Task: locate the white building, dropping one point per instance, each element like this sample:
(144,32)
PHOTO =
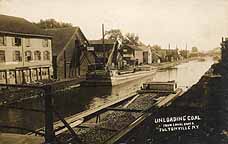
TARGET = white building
(25,51)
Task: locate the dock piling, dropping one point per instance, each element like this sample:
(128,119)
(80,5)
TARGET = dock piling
(49,129)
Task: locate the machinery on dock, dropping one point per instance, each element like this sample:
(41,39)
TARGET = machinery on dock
(109,73)
(103,71)
(97,71)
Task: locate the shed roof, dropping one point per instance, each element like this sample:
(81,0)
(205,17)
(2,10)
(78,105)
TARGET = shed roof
(63,36)
(134,47)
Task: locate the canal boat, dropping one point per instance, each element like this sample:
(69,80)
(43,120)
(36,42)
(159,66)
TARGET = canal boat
(120,79)
(159,87)
(97,75)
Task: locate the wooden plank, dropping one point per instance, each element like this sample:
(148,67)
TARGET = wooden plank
(74,124)
(92,125)
(131,101)
(69,127)
(123,110)
(168,99)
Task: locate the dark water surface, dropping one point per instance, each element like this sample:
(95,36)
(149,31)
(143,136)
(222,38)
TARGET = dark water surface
(75,100)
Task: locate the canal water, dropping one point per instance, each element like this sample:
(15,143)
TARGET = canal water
(75,100)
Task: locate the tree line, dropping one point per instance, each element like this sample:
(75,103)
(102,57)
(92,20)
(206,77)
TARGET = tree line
(52,23)
(113,34)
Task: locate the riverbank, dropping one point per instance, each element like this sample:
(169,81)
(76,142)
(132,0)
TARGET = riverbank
(165,65)
(208,100)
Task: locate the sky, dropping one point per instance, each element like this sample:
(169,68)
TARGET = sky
(200,23)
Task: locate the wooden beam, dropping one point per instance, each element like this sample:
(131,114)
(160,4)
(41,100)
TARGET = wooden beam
(30,75)
(6,80)
(15,76)
(55,67)
(92,125)
(131,101)
(49,76)
(124,110)
(40,73)
(49,129)
(37,74)
(65,65)
(23,77)
(64,128)
(75,136)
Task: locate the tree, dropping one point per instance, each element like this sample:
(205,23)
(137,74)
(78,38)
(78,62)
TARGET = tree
(194,49)
(52,23)
(113,34)
(132,38)
(156,47)
(129,38)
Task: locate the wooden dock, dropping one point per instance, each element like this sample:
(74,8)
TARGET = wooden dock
(78,118)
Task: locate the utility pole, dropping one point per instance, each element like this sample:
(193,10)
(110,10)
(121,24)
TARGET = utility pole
(103,43)
(169,54)
(65,64)
(186,49)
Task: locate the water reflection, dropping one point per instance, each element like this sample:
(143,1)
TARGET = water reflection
(75,100)
(186,74)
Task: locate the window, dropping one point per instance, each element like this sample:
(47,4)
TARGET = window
(46,55)
(27,42)
(37,55)
(2,56)
(28,56)
(45,42)
(17,56)
(2,40)
(17,41)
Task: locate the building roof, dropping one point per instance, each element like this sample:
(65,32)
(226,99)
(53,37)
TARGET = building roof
(20,26)
(99,42)
(134,47)
(63,37)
